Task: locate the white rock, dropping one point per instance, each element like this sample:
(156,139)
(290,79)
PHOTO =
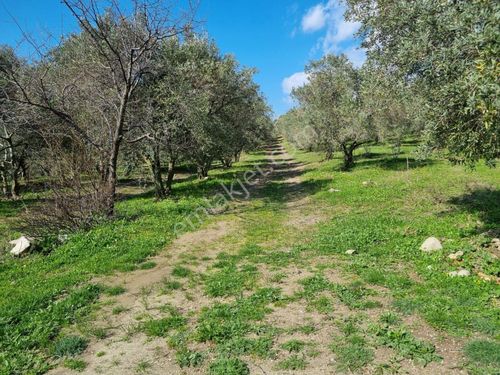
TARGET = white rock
(431,244)
(459,273)
(350,251)
(332,190)
(456,256)
(20,245)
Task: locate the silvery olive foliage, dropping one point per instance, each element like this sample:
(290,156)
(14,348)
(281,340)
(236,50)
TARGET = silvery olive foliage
(449,51)
(333,105)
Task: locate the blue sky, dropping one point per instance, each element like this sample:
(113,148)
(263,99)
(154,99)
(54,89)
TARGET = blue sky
(278,37)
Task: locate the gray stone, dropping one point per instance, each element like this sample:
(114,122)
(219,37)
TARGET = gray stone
(21,245)
(459,273)
(431,244)
(350,252)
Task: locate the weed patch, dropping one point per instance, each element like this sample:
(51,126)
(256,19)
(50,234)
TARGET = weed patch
(405,344)
(161,327)
(75,364)
(294,362)
(230,281)
(228,366)
(293,346)
(70,346)
(188,358)
(483,352)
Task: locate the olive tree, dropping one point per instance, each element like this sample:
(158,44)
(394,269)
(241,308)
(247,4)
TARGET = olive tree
(450,50)
(333,103)
(393,105)
(200,107)
(91,80)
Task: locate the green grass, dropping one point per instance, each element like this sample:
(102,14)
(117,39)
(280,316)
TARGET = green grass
(114,290)
(352,355)
(161,327)
(188,358)
(294,362)
(405,344)
(260,347)
(293,346)
(143,367)
(180,271)
(388,220)
(147,265)
(75,364)
(42,293)
(226,321)
(354,296)
(483,352)
(118,310)
(228,366)
(170,285)
(230,281)
(385,221)
(352,352)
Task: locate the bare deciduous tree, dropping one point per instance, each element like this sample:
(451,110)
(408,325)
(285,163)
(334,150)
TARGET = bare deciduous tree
(89,81)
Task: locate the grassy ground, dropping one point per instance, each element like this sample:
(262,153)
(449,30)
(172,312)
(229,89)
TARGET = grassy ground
(271,289)
(39,294)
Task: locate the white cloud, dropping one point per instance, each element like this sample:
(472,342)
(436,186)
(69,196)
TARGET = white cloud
(339,36)
(294,81)
(314,19)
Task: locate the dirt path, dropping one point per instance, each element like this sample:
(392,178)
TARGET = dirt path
(124,348)
(278,214)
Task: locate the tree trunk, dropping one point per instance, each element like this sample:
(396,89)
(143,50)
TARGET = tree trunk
(329,154)
(237,156)
(348,155)
(111,174)
(203,166)
(170,175)
(157,175)
(227,162)
(25,173)
(14,190)
(5,184)
(203,170)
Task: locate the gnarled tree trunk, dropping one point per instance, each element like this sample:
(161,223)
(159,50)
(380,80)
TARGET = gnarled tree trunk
(170,176)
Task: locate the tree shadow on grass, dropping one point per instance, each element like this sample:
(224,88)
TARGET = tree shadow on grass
(13,207)
(392,163)
(484,202)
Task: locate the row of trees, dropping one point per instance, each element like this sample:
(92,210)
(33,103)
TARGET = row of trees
(343,108)
(432,69)
(129,87)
